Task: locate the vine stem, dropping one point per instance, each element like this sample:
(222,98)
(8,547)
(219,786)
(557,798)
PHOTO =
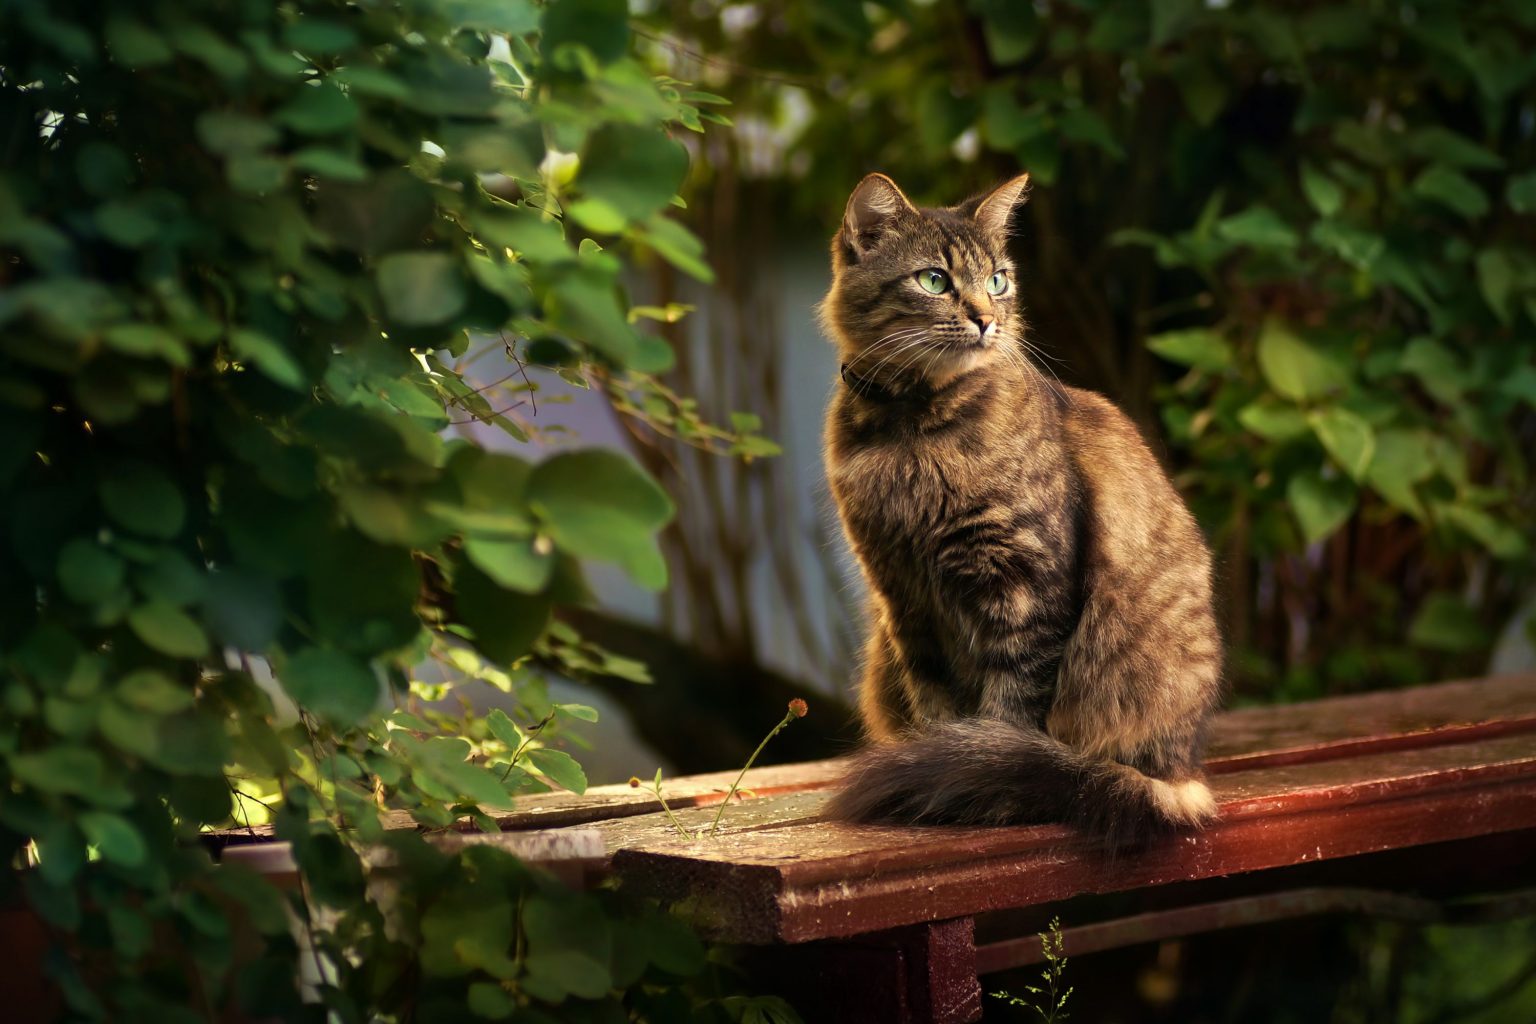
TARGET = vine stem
(524,745)
(790,716)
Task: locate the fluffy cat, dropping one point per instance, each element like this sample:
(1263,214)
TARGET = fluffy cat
(1042,644)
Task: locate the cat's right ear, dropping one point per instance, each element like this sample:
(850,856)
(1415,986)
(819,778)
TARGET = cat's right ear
(871,209)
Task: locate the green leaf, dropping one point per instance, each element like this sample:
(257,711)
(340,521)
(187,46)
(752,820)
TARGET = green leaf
(631,169)
(1260,227)
(514,17)
(521,564)
(1347,437)
(171,576)
(1445,622)
(268,356)
(566,971)
(1325,194)
(1501,539)
(585,305)
(1440,144)
(1294,368)
(331,683)
(320,36)
(677,245)
(1321,505)
(490,1002)
(1402,460)
(60,769)
(391,516)
(1083,124)
(1521,385)
(147,341)
(149,690)
(103,169)
(1452,189)
(503,728)
(1437,368)
(570,942)
(320,109)
(1359,248)
(524,230)
(1274,421)
(115,836)
(421,289)
(88,573)
(505,623)
(141,498)
(1496,279)
(168,629)
(243,608)
(599,504)
(578,711)
(560,768)
(1521,193)
(1200,347)
(601,26)
(256,174)
(135,45)
(329,164)
(228,133)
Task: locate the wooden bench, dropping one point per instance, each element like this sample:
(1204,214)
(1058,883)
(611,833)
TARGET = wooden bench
(1382,804)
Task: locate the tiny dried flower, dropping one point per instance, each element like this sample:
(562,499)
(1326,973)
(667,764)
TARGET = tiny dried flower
(799,707)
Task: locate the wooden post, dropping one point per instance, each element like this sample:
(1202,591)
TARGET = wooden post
(921,974)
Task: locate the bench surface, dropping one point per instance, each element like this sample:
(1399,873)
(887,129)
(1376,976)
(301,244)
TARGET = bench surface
(1296,784)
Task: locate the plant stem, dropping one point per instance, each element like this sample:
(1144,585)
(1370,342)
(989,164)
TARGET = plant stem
(524,745)
(714,825)
(681,828)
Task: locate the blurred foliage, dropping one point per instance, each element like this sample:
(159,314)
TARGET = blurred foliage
(244,248)
(1443,974)
(1297,239)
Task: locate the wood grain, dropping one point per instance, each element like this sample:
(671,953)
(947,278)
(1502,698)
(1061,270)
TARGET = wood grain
(783,875)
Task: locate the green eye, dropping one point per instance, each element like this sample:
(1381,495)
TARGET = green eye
(997,283)
(935,282)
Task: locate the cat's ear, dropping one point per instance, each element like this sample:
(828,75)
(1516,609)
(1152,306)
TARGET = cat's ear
(874,204)
(993,211)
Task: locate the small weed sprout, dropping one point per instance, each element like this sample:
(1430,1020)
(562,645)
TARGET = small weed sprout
(681,829)
(797,709)
(1050,1001)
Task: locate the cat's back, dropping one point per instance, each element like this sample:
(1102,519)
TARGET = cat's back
(1134,506)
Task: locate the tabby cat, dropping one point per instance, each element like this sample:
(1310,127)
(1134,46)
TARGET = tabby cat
(1042,644)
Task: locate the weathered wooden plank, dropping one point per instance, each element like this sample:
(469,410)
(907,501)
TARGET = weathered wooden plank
(806,878)
(1454,712)
(1242,739)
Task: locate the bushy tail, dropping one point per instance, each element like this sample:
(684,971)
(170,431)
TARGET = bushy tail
(990,772)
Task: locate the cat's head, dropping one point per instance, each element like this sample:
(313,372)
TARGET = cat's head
(924,293)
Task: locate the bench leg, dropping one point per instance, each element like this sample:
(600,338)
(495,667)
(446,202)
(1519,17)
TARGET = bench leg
(923,974)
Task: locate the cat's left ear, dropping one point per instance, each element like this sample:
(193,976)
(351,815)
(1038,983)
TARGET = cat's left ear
(993,212)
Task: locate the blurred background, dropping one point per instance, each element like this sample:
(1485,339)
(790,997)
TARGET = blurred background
(1296,241)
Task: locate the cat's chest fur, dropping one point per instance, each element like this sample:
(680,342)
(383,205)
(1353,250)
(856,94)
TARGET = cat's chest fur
(936,501)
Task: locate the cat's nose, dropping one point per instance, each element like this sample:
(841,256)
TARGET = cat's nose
(983,322)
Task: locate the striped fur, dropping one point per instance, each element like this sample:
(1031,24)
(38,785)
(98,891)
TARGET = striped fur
(1042,643)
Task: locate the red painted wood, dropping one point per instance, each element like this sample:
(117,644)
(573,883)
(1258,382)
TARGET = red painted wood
(1455,712)
(920,974)
(808,879)
(1246,738)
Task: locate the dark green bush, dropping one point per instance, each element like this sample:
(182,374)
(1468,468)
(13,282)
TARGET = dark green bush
(247,251)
